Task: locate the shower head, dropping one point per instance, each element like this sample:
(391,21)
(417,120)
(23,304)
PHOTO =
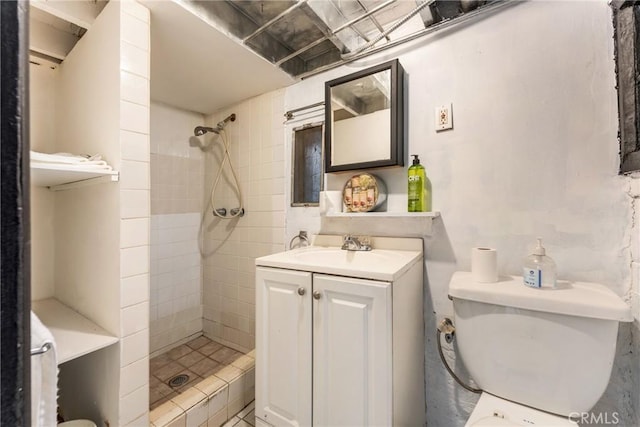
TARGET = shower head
(201,130)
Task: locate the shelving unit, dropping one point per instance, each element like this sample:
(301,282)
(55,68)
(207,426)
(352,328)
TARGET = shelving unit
(383,214)
(415,224)
(59,177)
(74,334)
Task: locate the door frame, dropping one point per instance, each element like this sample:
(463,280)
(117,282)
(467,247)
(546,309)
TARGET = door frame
(15,261)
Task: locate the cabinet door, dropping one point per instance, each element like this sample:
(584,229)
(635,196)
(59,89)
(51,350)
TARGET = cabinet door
(352,383)
(283,347)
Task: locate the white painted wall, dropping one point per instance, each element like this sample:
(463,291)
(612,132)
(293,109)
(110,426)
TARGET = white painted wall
(88,262)
(41,128)
(533,152)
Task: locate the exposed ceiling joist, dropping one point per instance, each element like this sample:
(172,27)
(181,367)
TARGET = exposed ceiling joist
(304,37)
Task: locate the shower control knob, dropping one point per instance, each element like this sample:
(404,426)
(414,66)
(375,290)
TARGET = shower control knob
(302,291)
(317,294)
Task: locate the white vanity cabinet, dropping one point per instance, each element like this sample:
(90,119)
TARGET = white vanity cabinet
(283,335)
(334,350)
(352,349)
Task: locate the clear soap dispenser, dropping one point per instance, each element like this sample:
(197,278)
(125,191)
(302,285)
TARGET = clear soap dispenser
(539,270)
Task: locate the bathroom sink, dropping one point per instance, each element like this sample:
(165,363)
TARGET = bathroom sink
(338,256)
(387,261)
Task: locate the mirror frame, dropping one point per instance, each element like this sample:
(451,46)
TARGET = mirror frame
(396,138)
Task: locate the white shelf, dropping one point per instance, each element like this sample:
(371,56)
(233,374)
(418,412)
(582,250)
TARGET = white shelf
(406,224)
(383,214)
(75,335)
(62,177)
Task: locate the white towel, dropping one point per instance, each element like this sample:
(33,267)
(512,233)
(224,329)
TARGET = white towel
(72,160)
(44,377)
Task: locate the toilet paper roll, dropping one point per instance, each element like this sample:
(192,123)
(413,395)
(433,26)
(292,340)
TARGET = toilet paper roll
(484,265)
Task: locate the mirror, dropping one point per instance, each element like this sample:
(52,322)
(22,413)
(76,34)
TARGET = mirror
(364,119)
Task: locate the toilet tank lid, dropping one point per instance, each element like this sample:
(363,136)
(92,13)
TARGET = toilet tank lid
(569,298)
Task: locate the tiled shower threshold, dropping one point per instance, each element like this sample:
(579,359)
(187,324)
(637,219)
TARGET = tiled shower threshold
(220,387)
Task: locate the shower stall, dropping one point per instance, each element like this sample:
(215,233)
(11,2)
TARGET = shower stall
(217,203)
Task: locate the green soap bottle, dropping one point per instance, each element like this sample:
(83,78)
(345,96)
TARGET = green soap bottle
(419,188)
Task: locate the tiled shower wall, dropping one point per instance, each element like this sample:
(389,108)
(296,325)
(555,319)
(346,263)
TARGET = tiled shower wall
(256,142)
(177,174)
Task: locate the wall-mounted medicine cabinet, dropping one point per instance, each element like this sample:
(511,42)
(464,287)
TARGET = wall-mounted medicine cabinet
(364,119)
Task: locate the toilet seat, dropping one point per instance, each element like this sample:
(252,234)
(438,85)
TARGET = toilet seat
(492,411)
(77,423)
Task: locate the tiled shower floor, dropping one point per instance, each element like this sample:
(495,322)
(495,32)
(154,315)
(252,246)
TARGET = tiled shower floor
(219,385)
(199,359)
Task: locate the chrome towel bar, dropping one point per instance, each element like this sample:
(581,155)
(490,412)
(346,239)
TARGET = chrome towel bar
(45,347)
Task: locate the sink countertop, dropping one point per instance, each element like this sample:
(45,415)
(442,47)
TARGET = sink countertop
(390,258)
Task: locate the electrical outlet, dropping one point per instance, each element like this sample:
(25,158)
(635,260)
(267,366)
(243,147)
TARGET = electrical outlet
(444,117)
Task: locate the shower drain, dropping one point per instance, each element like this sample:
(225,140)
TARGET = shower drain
(178,380)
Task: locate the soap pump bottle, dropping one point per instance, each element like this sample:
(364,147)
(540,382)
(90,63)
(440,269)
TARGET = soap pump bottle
(539,270)
(419,193)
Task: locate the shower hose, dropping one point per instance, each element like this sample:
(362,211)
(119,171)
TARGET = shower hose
(237,212)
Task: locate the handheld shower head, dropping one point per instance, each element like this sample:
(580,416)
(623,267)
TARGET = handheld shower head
(201,130)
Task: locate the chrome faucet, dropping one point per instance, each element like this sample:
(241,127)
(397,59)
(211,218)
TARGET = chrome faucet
(355,243)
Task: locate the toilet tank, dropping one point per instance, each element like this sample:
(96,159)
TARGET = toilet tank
(551,349)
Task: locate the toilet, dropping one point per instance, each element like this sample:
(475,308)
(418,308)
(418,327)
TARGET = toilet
(78,423)
(525,348)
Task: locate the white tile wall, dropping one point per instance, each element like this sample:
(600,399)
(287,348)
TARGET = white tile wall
(134,261)
(134,318)
(134,232)
(134,376)
(134,203)
(176,200)
(176,284)
(171,130)
(134,146)
(256,141)
(134,212)
(134,88)
(134,60)
(134,175)
(134,8)
(134,117)
(134,405)
(135,31)
(134,290)
(134,347)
